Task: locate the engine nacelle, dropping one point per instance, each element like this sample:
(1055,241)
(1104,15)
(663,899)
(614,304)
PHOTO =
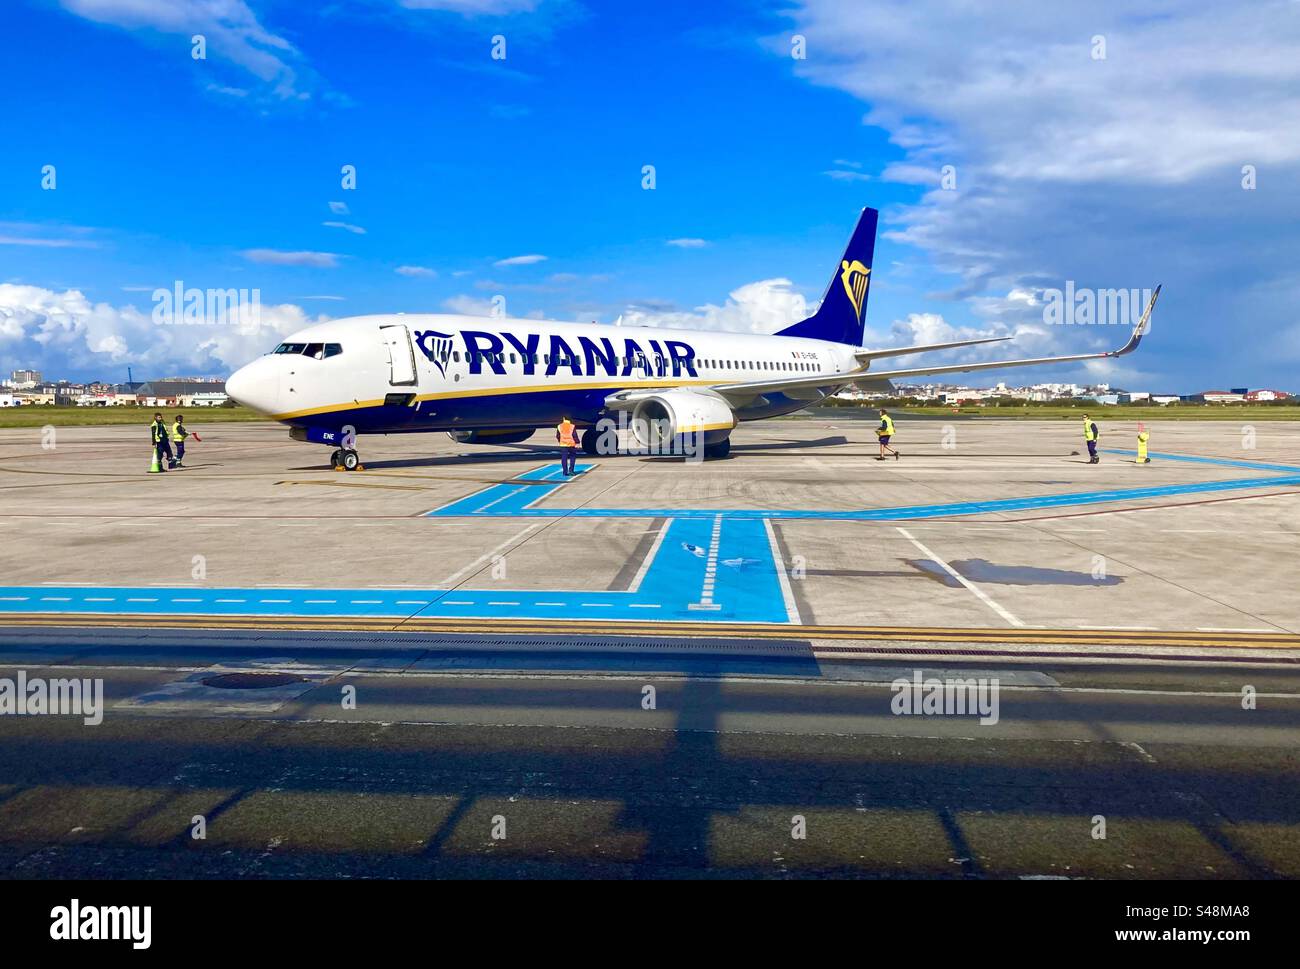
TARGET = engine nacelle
(509,435)
(674,418)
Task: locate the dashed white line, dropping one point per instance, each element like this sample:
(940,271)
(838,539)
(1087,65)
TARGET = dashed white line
(142,600)
(55,599)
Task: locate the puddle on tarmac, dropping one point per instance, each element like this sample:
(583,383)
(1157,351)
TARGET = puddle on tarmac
(982,570)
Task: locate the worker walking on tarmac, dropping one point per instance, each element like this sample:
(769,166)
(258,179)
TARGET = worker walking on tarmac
(883,433)
(1143,437)
(567,434)
(161,446)
(179,434)
(1090,434)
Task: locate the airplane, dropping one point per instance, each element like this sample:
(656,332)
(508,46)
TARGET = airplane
(497,380)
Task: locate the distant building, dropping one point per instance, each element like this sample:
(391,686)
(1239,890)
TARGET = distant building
(181,393)
(24,379)
(1255,396)
(1219,397)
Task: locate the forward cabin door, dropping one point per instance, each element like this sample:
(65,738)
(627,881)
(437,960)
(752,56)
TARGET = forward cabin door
(401,354)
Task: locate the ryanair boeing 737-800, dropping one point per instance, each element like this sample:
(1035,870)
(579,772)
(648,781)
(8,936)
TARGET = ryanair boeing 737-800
(496,381)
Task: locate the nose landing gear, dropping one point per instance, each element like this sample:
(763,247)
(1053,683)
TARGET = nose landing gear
(346,459)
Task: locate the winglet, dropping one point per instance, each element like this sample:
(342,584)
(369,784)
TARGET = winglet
(1140,330)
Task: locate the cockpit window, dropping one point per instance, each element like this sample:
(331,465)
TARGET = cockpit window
(290,348)
(332,350)
(315,350)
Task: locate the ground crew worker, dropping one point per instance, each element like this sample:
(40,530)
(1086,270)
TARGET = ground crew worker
(161,446)
(883,433)
(1090,434)
(1143,437)
(179,434)
(567,434)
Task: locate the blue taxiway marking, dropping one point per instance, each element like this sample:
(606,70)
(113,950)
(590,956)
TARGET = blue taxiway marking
(745,587)
(711,565)
(520,501)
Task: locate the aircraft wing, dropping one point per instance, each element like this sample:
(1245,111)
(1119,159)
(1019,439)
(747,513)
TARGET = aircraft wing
(820,385)
(865,355)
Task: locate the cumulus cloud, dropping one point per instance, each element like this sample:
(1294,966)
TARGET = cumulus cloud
(67,334)
(424,271)
(759,307)
(1114,172)
(468,305)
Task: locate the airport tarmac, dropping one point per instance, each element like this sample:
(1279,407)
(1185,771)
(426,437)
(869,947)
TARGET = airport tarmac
(497,629)
(981,525)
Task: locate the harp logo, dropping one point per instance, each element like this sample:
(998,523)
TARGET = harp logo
(854,277)
(436,346)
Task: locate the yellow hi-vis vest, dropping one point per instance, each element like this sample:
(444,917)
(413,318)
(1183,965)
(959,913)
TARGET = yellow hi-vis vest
(566,435)
(1088,434)
(178,431)
(888,429)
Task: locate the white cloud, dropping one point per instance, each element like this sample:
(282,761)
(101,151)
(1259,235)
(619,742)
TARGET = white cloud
(760,307)
(65,334)
(520,260)
(468,305)
(687,243)
(471,8)
(339,208)
(416,271)
(277,257)
(840,175)
(910,174)
(355,229)
(230,27)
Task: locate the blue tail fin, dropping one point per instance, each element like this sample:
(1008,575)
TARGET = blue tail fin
(843,312)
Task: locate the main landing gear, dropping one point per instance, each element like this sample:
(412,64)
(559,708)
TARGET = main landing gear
(345,459)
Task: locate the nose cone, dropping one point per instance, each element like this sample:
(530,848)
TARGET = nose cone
(256,385)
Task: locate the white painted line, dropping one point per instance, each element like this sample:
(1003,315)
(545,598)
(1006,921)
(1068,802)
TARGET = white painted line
(366,602)
(503,603)
(179,600)
(787,592)
(458,602)
(411,602)
(142,600)
(232,600)
(650,557)
(979,593)
(56,599)
(598,605)
(13,598)
(280,602)
(474,566)
(643,605)
(320,602)
(94,599)
(548,603)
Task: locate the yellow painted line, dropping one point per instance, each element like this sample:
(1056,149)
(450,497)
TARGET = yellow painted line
(930,634)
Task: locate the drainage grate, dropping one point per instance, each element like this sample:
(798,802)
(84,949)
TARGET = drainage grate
(251,681)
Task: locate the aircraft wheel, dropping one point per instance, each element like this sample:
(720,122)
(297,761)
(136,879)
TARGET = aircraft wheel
(350,460)
(336,457)
(590,441)
(713,452)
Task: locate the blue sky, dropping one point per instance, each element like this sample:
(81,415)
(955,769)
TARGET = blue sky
(1115,172)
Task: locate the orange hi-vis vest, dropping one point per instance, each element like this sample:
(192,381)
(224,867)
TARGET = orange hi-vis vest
(567,438)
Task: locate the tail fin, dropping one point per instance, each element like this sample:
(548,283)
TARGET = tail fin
(843,311)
